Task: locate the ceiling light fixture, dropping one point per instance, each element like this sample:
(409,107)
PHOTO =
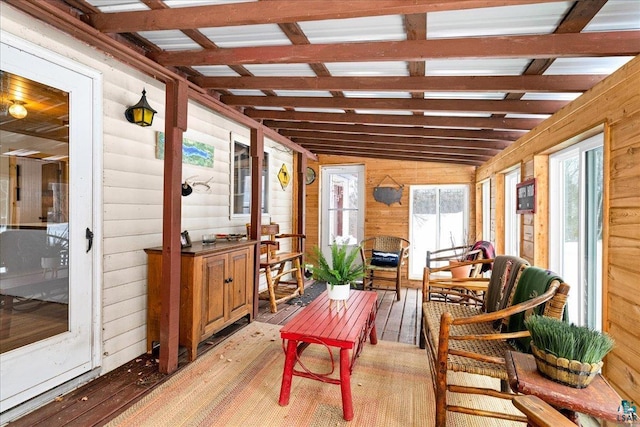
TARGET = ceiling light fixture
(18,110)
(141,113)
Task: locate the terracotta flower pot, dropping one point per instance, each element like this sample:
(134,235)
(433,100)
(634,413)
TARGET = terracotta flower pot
(460,272)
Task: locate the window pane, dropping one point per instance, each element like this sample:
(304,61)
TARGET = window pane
(343,208)
(242,180)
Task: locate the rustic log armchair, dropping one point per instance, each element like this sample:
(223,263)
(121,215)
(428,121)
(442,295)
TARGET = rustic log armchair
(383,258)
(282,268)
(472,339)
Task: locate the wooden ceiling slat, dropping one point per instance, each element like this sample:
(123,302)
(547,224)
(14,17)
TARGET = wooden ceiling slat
(462,105)
(475,146)
(537,83)
(485,134)
(398,120)
(274,12)
(614,43)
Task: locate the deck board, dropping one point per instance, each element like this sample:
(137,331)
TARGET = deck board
(102,399)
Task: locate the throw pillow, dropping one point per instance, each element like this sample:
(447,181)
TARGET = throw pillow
(385,259)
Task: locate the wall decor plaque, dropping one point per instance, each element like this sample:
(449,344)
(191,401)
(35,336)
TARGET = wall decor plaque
(388,194)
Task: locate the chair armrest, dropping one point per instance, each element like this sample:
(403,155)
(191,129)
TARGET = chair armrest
(290,235)
(539,413)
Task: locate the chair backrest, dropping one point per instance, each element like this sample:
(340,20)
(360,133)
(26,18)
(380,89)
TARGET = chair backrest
(505,273)
(268,233)
(385,245)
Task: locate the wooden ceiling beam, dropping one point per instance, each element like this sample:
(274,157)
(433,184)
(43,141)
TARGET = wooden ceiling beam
(398,120)
(274,12)
(462,105)
(534,83)
(391,155)
(438,145)
(488,135)
(613,43)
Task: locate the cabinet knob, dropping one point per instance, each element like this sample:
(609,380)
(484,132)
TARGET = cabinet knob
(229,280)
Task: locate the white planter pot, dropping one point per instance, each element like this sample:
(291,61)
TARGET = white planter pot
(339,292)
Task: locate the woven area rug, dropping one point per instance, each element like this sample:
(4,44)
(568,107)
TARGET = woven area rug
(238,384)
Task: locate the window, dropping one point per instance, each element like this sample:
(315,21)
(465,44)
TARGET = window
(241,191)
(575,243)
(438,214)
(511,218)
(486,210)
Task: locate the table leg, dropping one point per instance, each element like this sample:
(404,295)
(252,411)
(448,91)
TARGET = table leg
(287,374)
(345,384)
(373,335)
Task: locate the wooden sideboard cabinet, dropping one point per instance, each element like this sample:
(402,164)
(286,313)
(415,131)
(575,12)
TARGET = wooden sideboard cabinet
(216,289)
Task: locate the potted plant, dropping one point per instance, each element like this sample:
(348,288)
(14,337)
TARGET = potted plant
(461,254)
(566,353)
(340,273)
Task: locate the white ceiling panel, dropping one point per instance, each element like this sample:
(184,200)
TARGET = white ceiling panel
(387,68)
(549,96)
(394,112)
(604,65)
(266,70)
(476,67)
(368,94)
(465,95)
(455,114)
(316,93)
(319,110)
(247,35)
(247,92)
(215,71)
(527,116)
(170,40)
(377,28)
(540,18)
(616,15)
(108,6)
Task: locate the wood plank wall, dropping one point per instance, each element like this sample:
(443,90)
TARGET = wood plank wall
(613,106)
(381,219)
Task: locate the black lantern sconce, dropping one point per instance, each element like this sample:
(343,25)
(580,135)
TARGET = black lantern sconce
(141,113)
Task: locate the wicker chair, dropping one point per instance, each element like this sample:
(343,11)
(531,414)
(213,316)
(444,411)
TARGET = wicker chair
(282,269)
(383,258)
(465,338)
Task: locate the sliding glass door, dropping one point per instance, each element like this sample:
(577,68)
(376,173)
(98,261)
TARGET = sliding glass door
(576,181)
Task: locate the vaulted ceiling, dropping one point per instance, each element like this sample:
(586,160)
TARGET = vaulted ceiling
(425,80)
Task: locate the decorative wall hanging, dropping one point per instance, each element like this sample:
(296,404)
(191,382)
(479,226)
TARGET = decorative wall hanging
(388,194)
(284,177)
(193,152)
(311,176)
(526,197)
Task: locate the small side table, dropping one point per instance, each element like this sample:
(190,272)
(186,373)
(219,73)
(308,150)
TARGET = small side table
(599,399)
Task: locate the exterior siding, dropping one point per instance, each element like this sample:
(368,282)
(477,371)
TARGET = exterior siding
(132,186)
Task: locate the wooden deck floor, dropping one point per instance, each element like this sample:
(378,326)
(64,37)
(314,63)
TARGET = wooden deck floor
(104,398)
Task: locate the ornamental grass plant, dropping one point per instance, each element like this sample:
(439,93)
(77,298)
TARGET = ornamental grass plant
(568,341)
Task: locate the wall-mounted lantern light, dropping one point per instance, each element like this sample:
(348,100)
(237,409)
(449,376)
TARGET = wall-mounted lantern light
(141,113)
(18,110)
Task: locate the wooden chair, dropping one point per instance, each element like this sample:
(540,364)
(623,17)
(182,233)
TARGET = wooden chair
(282,269)
(466,338)
(539,413)
(383,258)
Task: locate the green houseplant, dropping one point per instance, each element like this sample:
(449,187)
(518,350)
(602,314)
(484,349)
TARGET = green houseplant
(340,273)
(566,353)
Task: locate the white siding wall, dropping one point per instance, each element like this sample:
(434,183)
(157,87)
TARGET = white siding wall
(132,185)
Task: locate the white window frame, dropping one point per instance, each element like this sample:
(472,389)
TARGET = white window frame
(266,199)
(556,234)
(417,258)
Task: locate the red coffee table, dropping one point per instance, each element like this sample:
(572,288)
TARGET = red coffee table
(346,329)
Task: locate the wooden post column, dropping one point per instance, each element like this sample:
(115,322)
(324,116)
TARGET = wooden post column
(175,125)
(257,159)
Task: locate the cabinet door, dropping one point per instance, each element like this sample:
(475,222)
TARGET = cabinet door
(214,273)
(240,293)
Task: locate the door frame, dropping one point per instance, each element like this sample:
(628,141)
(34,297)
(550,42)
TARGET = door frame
(325,172)
(95,223)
